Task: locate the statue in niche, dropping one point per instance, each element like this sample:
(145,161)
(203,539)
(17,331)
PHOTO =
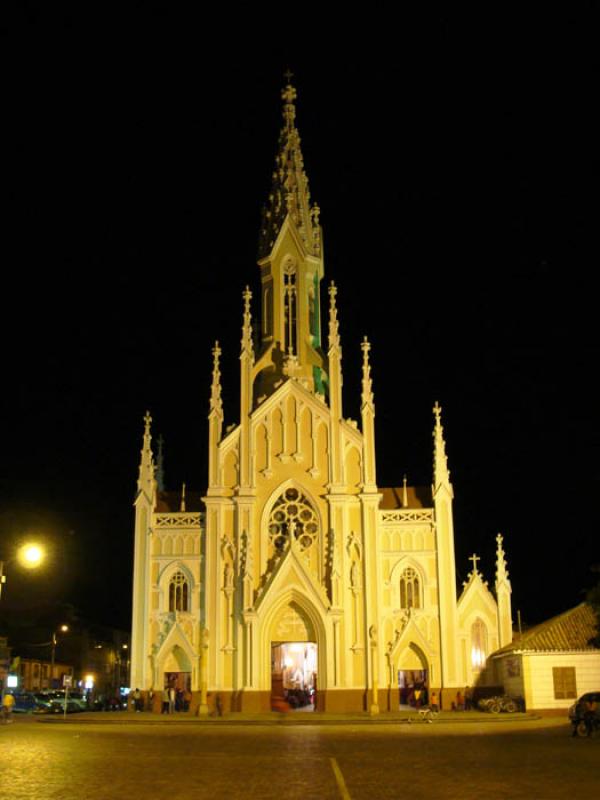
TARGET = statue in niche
(228,577)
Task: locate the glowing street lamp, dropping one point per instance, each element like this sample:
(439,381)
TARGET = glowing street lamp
(30,556)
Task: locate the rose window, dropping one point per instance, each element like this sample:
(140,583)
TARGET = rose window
(292,514)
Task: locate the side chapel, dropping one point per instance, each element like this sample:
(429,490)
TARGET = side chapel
(296,575)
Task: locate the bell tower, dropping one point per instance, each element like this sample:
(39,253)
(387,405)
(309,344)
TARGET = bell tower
(291,267)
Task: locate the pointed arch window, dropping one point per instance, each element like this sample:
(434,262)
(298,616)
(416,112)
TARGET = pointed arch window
(410,589)
(179,593)
(293,514)
(479,645)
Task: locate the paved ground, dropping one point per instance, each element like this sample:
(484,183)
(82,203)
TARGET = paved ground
(523,759)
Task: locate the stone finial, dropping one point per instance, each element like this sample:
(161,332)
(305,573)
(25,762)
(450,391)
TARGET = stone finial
(404,493)
(182,501)
(441,473)
(367,382)
(146,471)
(334,326)
(216,403)
(247,346)
(501,571)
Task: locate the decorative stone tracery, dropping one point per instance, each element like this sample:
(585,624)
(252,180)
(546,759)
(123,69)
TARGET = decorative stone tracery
(293,515)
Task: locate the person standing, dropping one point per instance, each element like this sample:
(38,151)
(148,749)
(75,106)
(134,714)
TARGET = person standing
(165,701)
(172,697)
(433,704)
(589,715)
(8,703)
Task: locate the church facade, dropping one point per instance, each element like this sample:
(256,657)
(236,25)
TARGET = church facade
(296,575)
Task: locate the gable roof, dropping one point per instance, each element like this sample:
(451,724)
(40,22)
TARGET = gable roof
(571,630)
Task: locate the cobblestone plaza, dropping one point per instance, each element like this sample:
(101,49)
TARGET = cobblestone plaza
(153,759)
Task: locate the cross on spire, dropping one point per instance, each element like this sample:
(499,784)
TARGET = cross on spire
(474,558)
(288,75)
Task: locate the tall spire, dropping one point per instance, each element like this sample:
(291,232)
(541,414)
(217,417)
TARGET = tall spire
(441,473)
(289,191)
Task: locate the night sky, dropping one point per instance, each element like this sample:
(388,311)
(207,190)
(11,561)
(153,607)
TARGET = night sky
(455,161)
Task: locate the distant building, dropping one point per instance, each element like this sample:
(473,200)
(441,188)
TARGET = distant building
(552,664)
(295,571)
(36,675)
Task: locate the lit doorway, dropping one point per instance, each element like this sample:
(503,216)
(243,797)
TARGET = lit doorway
(412,687)
(293,676)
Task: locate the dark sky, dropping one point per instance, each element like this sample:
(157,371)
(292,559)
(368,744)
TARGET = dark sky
(455,161)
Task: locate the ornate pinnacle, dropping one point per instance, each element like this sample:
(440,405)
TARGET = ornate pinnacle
(216,404)
(182,502)
(367,383)
(441,474)
(247,347)
(146,473)
(334,325)
(501,571)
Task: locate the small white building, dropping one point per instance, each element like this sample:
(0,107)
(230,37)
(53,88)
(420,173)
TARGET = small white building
(551,664)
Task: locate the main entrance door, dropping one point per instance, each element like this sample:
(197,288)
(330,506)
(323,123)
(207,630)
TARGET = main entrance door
(293,675)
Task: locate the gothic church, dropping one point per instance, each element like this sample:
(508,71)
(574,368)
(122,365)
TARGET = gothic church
(296,576)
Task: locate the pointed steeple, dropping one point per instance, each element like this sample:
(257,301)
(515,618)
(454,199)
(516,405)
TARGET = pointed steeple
(289,191)
(146,473)
(441,473)
(182,501)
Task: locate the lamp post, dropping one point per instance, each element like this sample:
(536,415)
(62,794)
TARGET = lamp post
(62,629)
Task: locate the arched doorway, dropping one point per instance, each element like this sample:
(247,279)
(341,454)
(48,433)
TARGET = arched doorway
(412,675)
(177,674)
(294,660)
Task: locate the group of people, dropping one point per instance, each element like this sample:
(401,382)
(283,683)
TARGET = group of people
(173,700)
(463,702)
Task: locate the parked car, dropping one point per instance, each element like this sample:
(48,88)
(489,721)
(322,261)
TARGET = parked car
(25,703)
(494,705)
(577,710)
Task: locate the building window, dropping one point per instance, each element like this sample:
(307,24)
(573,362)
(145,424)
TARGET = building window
(178,593)
(479,645)
(410,589)
(565,687)
(292,513)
